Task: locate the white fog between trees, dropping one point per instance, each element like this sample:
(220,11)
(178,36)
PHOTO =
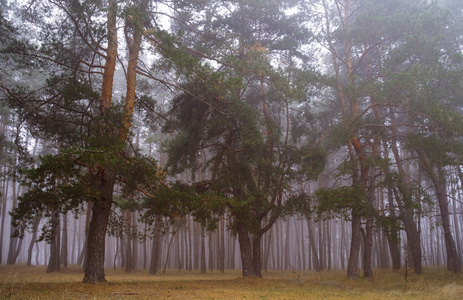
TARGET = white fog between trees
(214,135)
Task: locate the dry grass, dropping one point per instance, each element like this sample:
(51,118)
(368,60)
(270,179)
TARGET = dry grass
(21,282)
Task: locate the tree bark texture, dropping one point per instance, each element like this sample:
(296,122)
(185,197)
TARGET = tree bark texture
(244,240)
(94,269)
(353,264)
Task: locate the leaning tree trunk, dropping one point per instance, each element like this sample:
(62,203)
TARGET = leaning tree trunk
(405,202)
(413,235)
(391,231)
(35,227)
(440,186)
(313,246)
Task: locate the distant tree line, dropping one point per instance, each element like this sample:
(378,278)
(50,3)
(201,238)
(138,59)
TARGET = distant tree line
(266,134)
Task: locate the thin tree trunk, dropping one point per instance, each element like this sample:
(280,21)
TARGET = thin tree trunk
(313,246)
(15,242)
(190,257)
(64,242)
(221,244)
(169,247)
(54,260)
(82,259)
(405,203)
(203,251)
(211,251)
(453,259)
(35,227)
(128,249)
(155,250)
(4,197)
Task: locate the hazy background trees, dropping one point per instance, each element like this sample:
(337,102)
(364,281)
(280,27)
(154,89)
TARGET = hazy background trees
(234,134)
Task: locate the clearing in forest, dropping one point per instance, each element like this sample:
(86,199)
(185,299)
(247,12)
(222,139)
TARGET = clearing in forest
(31,282)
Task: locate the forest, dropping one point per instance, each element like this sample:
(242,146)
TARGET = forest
(250,135)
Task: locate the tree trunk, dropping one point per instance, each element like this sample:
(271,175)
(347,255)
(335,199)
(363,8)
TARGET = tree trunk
(15,242)
(392,234)
(94,268)
(257,255)
(221,245)
(4,197)
(368,237)
(155,250)
(367,245)
(211,251)
(203,251)
(35,227)
(244,241)
(453,259)
(128,251)
(313,246)
(189,232)
(405,202)
(82,259)
(134,242)
(54,260)
(352,265)
(196,245)
(64,242)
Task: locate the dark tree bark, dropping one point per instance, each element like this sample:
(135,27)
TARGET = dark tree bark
(203,251)
(15,242)
(4,196)
(64,242)
(155,250)
(312,244)
(221,245)
(94,266)
(94,269)
(405,202)
(392,234)
(367,244)
(35,227)
(440,186)
(82,259)
(257,255)
(128,252)
(353,263)
(54,260)
(246,251)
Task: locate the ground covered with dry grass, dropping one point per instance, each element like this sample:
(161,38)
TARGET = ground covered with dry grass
(22,282)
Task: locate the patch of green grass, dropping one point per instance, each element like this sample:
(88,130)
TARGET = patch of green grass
(21,282)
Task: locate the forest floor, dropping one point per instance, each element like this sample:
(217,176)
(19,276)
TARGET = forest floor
(32,282)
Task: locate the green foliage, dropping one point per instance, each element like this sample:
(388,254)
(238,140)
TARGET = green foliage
(56,184)
(343,201)
(300,204)
(67,180)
